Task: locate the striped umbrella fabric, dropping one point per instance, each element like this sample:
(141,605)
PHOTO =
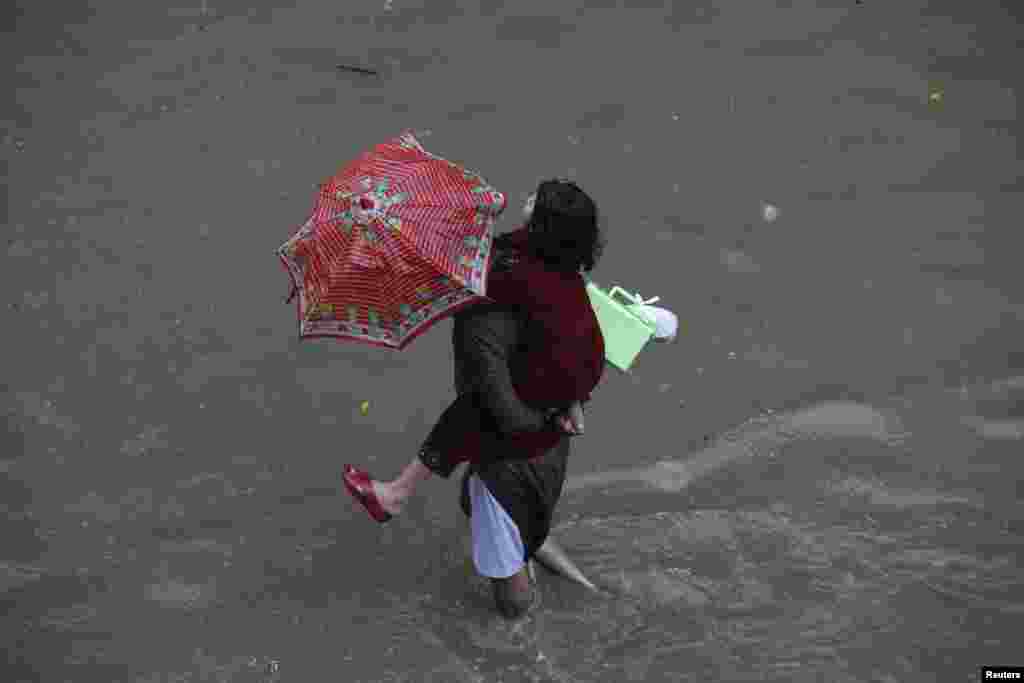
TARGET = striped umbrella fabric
(399,239)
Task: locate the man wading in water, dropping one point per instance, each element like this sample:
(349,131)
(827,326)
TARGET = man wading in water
(513,484)
(510,500)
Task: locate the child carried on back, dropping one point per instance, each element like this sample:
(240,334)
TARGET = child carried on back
(560,362)
(538,271)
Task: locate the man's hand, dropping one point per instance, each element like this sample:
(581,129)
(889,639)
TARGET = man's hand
(571,420)
(576,416)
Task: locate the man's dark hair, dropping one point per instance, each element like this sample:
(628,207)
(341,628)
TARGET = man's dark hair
(564,230)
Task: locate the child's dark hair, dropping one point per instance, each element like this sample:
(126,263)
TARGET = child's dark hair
(564,230)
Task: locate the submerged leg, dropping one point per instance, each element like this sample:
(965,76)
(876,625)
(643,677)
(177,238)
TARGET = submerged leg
(513,596)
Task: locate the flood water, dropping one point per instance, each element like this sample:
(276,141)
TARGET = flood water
(818,481)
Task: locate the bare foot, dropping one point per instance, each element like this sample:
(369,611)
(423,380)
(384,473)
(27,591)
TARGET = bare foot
(391,498)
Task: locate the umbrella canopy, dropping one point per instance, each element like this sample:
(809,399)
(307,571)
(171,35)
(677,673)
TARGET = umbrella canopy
(399,239)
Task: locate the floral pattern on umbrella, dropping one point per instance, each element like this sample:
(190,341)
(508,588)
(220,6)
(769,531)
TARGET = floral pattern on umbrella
(397,240)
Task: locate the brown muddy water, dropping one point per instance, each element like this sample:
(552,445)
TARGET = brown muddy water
(818,481)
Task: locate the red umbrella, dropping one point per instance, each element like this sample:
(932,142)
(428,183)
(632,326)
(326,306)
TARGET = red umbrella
(398,239)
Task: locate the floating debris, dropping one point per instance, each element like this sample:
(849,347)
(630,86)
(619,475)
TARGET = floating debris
(1003,430)
(68,618)
(769,212)
(942,298)
(173,593)
(365,407)
(36,300)
(357,69)
(150,440)
(738,262)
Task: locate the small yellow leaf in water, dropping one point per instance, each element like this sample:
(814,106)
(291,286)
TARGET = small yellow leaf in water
(365,407)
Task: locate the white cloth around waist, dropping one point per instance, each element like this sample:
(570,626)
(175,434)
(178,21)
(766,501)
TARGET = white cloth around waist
(498,549)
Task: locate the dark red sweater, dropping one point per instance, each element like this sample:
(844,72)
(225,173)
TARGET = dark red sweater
(562,360)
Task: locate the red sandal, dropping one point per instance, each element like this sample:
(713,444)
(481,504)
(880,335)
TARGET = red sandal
(359,485)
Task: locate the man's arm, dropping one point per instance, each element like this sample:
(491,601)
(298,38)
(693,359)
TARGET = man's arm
(484,342)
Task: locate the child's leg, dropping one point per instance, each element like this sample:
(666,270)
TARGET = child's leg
(449,444)
(392,494)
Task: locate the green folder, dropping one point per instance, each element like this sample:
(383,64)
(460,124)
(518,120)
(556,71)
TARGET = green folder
(625,331)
